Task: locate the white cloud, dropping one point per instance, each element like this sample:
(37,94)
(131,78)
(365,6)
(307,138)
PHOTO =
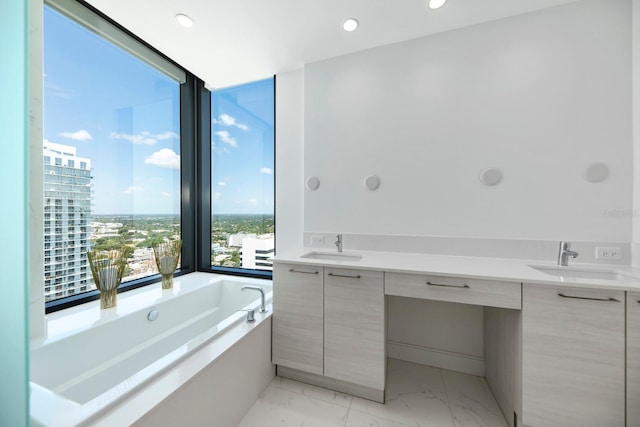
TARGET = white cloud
(132,190)
(226,138)
(224,181)
(166,194)
(56,90)
(165,158)
(166,135)
(217,195)
(253,202)
(79,135)
(228,120)
(267,171)
(145,138)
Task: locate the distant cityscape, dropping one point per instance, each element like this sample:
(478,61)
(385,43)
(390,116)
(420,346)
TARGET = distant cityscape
(242,241)
(237,241)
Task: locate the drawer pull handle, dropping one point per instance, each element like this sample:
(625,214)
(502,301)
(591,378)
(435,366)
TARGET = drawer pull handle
(465,286)
(291,270)
(588,298)
(345,276)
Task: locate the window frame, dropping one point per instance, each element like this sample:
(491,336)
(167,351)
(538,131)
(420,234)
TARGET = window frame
(204,184)
(190,121)
(195,179)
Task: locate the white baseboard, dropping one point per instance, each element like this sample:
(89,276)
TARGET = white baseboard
(439,358)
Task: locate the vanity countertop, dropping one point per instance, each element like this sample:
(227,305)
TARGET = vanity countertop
(502,269)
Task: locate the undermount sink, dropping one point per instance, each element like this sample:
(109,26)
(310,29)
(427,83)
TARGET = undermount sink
(333,256)
(584,273)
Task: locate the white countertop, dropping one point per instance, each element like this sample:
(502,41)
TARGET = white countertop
(513,270)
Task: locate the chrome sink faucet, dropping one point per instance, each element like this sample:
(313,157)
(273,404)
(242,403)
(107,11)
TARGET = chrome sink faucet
(564,252)
(263,308)
(338,242)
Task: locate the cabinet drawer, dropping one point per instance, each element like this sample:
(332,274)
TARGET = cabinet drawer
(455,289)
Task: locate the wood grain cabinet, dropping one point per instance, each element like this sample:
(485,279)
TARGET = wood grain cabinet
(298,316)
(354,326)
(490,293)
(633,359)
(329,327)
(573,357)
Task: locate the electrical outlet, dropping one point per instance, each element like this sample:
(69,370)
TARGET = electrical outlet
(608,253)
(317,241)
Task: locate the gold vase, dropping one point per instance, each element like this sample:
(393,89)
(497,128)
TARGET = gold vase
(108,299)
(167,281)
(107,268)
(167,256)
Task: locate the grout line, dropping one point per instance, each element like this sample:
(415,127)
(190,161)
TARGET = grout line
(446,393)
(346,418)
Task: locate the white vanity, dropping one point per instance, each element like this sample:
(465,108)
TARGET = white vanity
(560,350)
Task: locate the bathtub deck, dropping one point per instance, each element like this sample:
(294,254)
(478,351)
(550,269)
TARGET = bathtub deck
(417,395)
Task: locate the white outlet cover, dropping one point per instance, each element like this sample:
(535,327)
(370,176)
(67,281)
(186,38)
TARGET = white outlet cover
(317,240)
(603,252)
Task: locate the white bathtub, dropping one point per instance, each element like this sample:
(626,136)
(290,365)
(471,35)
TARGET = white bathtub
(93,359)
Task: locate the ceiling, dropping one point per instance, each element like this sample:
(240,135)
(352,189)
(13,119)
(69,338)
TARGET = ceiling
(238,41)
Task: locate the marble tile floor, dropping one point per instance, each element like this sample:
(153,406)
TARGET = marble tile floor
(417,395)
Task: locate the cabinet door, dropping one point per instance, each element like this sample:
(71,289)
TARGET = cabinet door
(297,317)
(354,327)
(633,359)
(573,351)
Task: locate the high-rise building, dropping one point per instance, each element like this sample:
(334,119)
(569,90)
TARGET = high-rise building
(67,227)
(256,252)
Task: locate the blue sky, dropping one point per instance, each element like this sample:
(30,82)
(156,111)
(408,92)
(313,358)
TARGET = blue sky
(124,116)
(242,149)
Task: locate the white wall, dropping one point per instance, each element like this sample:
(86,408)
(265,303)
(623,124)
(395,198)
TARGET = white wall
(540,96)
(636,132)
(289,159)
(36,211)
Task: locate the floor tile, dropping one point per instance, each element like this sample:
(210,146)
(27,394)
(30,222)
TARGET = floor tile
(472,403)
(415,396)
(360,419)
(312,391)
(284,408)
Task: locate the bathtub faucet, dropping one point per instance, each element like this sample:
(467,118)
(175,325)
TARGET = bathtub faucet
(263,309)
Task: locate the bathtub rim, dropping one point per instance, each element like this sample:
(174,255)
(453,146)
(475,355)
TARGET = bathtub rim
(51,409)
(83,317)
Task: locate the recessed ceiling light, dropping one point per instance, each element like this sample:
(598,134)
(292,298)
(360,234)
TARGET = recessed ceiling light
(436,4)
(184,20)
(350,24)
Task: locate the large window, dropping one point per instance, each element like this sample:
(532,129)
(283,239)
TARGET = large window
(112,149)
(242,177)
